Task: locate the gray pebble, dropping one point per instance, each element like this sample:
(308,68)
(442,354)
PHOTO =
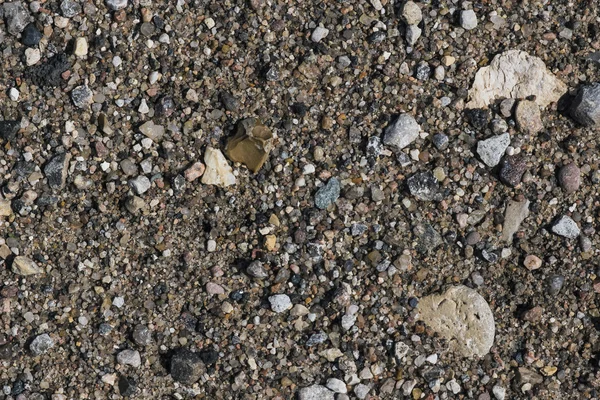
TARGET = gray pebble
(491,150)
(327,194)
(140,185)
(401,132)
(566,227)
(585,108)
(41,344)
(129,357)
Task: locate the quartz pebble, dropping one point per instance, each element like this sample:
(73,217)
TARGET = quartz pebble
(566,227)
(218,172)
(468,19)
(280,303)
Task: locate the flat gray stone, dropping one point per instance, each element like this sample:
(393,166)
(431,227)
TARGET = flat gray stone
(491,150)
(566,227)
(401,132)
(328,193)
(516,212)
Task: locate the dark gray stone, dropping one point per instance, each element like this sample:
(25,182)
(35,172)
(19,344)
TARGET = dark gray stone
(16,16)
(56,170)
(327,194)
(186,366)
(31,36)
(585,108)
(424,186)
(9,129)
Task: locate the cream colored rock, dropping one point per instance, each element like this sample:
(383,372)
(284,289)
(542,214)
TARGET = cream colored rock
(81,47)
(25,266)
(218,171)
(461,316)
(5,208)
(515,74)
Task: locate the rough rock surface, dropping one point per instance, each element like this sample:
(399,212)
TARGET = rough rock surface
(251,144)
(315,392)
(218,171)
(585,107)
(491,150)
(515,213)
(402,132)
(463,317)
(515,74)
(566,227)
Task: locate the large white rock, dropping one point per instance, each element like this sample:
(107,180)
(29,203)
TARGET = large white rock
(515,74)
(218,171)
(461,316)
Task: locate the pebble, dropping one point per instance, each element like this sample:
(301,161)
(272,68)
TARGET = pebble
(327,194)
(439,73)
(186,366)
(440,141)
(468,19)
(56,170)
(315,392)
(141,335)
(280,303)
(257,271)
(41,344)
(506,107)
(16,16)
(116,5)
(411,13)
(498,126)
(70,8)
(463,317)
(514,215)
(424,186)
(194,172)
(13,94)
(25,266)
(512,170)
(423,71)
(336,385)
(5,208)
(81,47)
(129,357)
(31,35)
(251,144)
(566,227)
(32,56)
(152,131)
(585,107)
(532,262)
(319,34)
(140,185)
(528,117)
(555,284)
(361,390)
(9,129)
(214,289)
(413,33)
(499,392)
(491,150)
(218,172)
(569,178)
(401,132)
(82,96)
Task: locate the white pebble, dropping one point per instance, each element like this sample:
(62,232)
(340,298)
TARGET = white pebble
(211,246)
(13,94)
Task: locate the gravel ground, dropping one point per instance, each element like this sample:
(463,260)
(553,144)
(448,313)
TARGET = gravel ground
(276,200)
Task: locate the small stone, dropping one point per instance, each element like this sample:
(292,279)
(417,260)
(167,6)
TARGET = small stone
(440,141)
(424,186)
(528,117)
(401,132)
(81,47)
(13,94)
(533,314)
(478,118)
(141,335)
(491,150)
(82,96)
(327,194)
(140,185)
(315,392)
(16,16)
(512,170)
(585,107)
(25,266)
(9,129)
(463,317)
(516,212)
(70,8)
(31,35)
(498,126)
(209,22)
(532,262)
(468,19)
(319,34)
(499,392)
(194,172)
(361,391)
(218,172)
(569,178)
(127,386)
(256,270)
(506,107)
(32,56)
(134,204)
(129,357)
(439,73)
(423,71)
(400,350)
(336,385)
(56,170)
(316,339)
(411,13)
(280,303)
(555,284)
(566,227)
(251,144)
(214,289)
(116,5)
(230,102)
(186,366)
(448,60)
(525,375)
(41,344)
(164,107)
(152,131)
(413,33)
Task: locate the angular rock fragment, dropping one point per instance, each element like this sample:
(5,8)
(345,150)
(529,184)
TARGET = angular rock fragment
(585,107)
(251,144)
(566,227)
(186,366)
(280,303)
(9,129)
(218,172)
(152,131)
(512,170)
(25,266)
(516,212)
(82,96)
(16,16)
(402,132)
(463,317)
(491,150)
(50,72)
(194,172)
(515,74)
(56,170)
(528,116)
(41,344)
(424,186)
(327,194)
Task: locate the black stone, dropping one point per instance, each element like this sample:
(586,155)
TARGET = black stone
(186,366)
(585,107)
(48,73)
(376,37)
(478,118)
(164,107)
(209,357)
(6,351)
(229,102)
(31,36)
(423,186)
(9,129)
(56,170)
(127,386)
